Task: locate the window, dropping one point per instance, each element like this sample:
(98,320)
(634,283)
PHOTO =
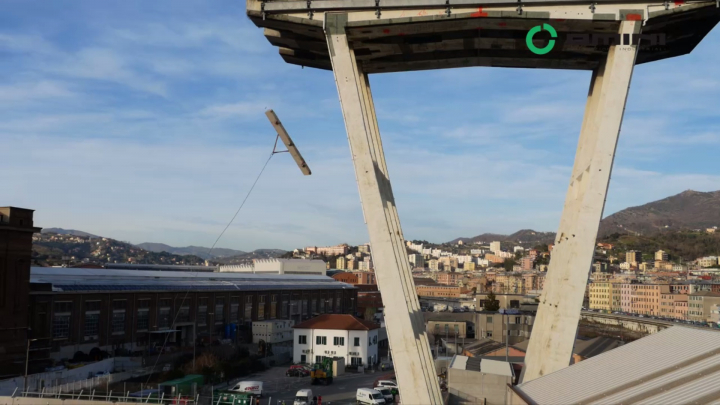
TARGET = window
(488,334)
(118,322)
(489,319)
(92,306)
(219,310)
(261,308)
(144,303)
(517,319)
(92,324)
(165,302)
(356,341)
(339,341)
(143,319)
(248,308)
(234,308)
(202,315)
(356,361)
(375,339)
(61,326)
(303,358)
(302,339)
(164,318)
(320,340)
(183,314)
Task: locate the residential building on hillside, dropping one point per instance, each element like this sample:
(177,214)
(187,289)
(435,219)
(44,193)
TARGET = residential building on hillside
(699,305)
(646,298)
(435,265)
(335,335)
(341,249)
(600,296)
(444,291)
(671,305)
(469,266)
(448,328)
(449,278)
(661,255)
(341,263)
(366,248)
(416,260)
(495,247)
(361,277)
(634,257)
(527,263)
(708,261)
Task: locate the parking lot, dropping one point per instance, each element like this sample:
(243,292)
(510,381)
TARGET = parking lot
(278,388)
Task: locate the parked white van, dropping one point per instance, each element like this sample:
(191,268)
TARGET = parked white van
(387,394)
(251,387)
(369,396)
(304,397)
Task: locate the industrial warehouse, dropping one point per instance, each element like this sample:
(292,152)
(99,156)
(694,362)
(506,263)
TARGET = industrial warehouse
(72,310)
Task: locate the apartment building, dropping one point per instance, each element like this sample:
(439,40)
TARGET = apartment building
(699,305)
(646,298)
(600,296)
(661,255)
(673,306)
(449,278)
(439,291)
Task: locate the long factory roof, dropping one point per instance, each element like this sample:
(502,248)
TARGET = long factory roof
(76,279)
(674,366)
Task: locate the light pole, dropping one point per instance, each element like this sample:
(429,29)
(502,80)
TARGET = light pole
(27,362)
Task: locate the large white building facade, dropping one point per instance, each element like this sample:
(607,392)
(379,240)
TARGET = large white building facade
(336,335)
(278,266)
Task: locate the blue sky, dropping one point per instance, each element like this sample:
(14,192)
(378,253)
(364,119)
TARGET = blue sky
(143,121)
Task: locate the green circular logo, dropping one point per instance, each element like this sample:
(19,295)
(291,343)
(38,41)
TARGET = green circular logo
(534,30)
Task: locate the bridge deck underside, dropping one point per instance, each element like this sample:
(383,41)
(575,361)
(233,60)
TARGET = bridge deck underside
(476,39)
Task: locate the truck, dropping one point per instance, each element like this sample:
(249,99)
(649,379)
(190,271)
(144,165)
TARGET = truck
(322,372)
(369,396)
(249,387)
(188,386)
(440,307)
(304,397)
(233,398)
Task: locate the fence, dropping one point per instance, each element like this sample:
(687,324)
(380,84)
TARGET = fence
(34,398)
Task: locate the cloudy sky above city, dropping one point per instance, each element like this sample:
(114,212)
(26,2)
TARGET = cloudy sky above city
(144,122)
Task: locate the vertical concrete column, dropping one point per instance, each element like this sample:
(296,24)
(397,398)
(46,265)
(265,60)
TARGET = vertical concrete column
(414,366)
(553,335)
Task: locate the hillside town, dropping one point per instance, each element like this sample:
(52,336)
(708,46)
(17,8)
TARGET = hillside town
(652,284)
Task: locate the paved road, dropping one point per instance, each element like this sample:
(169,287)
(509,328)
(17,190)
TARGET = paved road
(277,387)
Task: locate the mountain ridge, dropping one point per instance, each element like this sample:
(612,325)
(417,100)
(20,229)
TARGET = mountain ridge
(687,210)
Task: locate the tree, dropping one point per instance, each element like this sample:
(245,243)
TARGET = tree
(491,304)
(509,264)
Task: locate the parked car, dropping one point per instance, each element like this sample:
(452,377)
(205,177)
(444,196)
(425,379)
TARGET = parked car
(297,371)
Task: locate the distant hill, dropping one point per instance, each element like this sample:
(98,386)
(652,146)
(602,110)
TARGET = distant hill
(190,250)
(249,256)
(685,211)
(73,232)
(522,237)
(54,249)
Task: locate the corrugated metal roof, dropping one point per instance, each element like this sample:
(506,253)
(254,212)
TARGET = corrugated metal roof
(74,279)
(674,366)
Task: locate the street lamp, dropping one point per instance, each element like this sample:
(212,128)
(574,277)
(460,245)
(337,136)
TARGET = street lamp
(27,361)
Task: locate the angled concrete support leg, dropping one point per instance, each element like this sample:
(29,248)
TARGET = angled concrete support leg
(414,366)
(553,335)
